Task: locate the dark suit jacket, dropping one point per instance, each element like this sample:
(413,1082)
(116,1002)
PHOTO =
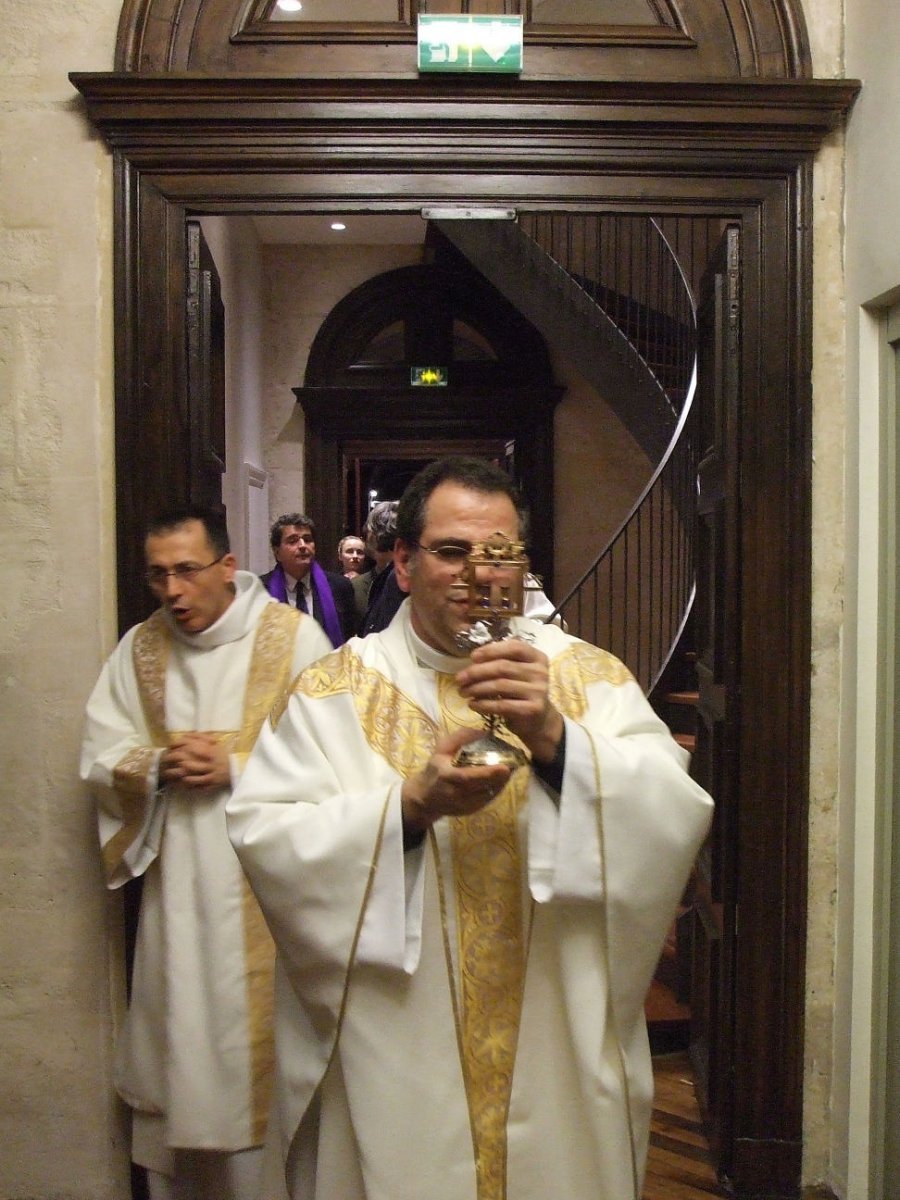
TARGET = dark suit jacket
(361,585)
(385,598)
(344,602)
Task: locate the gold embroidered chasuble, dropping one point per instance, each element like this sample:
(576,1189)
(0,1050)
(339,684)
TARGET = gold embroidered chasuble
(488,872)
(470,1014)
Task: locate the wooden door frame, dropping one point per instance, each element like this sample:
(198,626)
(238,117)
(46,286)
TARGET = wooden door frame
(738,149)
(522,414)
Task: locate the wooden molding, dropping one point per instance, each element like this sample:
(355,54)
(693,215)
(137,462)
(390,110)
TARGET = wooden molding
(715,39)
(642,125)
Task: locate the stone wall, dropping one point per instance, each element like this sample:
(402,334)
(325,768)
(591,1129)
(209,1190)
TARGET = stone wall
(825,28)
(59,934)
(867,942)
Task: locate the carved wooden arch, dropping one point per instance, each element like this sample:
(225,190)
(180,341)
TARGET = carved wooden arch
(346,403)
(691,39)
(409,293)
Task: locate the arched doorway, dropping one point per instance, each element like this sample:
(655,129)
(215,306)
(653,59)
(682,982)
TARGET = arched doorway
(659,117)
(365,407)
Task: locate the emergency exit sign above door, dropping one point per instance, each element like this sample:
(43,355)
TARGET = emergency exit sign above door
(470,43)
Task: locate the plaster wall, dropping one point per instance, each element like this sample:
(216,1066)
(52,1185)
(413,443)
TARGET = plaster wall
(593,451)
(302,285)
(872,283)
(599,470)
(59,933)
(236,251)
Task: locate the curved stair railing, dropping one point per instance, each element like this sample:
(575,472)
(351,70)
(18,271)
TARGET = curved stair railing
(624,265)
(606,290)
(564,305)
(635,598)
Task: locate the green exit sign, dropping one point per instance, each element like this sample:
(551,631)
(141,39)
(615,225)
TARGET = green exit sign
(428,376)
(470,43)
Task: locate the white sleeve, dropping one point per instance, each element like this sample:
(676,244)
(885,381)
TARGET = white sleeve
(392,927)
(564,842)
(121,765)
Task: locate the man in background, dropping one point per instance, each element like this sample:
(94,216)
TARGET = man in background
(377,594)
(298,580)
(169,727)
(465,948)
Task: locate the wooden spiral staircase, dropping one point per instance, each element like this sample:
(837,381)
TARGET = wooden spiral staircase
(607,291)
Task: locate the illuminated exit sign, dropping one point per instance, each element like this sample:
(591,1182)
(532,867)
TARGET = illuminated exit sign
(428,376)
(470,43)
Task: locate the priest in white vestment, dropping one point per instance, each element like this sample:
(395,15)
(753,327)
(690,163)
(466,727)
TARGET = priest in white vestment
(464,952)
(169,727)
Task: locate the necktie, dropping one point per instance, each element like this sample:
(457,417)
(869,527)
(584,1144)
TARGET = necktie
(301,598)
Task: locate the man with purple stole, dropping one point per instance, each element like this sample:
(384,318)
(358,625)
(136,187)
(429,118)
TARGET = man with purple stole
(298,580)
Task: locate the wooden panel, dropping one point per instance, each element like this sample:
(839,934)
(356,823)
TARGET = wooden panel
(712,38)
(152,419)
(774,653)
(205,321)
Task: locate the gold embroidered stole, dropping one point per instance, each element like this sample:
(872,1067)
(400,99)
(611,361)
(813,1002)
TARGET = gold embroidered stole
(150,654)
(492,934)
(487,870)
(394,726)
(268,677)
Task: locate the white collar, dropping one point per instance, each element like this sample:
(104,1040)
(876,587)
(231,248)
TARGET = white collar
(238,617)
(436,660)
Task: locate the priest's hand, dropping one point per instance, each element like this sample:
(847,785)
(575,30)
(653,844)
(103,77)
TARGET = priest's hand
(196,760)
(511,680)
(443,790)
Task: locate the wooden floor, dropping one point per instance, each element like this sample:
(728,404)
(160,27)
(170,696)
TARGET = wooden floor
(678,1165)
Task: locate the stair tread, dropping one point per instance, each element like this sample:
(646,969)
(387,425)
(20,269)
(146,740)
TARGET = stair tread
(692,698)
(688,741)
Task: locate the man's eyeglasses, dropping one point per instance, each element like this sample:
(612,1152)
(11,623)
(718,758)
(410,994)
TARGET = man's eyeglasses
(157,576)
(452,553)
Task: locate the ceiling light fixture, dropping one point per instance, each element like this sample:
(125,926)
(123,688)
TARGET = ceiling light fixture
(338,225)
(289,5)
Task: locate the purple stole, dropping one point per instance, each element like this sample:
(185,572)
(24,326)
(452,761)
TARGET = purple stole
(277,587)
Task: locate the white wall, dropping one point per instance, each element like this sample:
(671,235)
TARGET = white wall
(872,279)
(236,252)
(302,286)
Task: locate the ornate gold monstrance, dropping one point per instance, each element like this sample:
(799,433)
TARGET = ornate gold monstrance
(496,570)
